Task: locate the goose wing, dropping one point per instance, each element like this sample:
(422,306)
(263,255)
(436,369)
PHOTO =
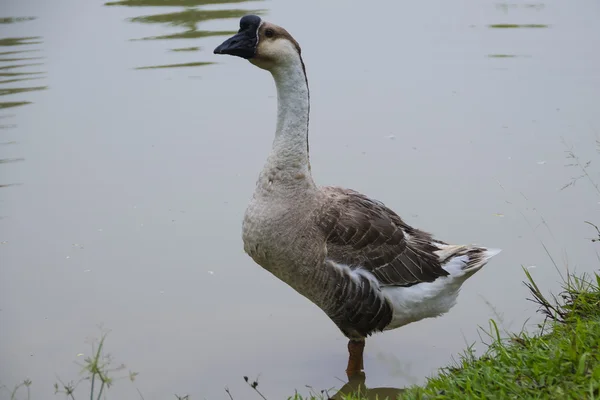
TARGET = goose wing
(363,233)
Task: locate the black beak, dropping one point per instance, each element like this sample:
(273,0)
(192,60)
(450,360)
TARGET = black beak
(242,44)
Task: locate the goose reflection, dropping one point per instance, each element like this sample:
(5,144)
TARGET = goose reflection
(357,385)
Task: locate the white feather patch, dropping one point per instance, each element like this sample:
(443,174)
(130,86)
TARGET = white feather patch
(433,299)
(424,300)
(354,273)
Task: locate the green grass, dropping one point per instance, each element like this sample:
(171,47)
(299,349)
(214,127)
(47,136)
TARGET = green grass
(563,363)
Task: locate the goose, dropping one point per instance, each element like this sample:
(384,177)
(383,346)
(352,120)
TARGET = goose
(350,255)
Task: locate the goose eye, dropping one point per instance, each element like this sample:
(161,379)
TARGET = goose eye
(269,33)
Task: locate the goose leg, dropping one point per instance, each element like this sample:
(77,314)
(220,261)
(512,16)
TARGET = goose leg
(355,357)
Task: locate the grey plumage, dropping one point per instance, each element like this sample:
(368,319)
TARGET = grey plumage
(361,232)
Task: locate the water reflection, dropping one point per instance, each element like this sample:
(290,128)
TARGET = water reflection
(357,385)
(20,41)
(10,160)
(513,26)
(188,19)
(505,7)
(186,49)
(16,67)
(190,64)
(12,20)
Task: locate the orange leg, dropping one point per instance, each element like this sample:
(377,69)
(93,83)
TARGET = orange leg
(355,357)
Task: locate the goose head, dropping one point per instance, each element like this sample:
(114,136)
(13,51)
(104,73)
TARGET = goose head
(264,44)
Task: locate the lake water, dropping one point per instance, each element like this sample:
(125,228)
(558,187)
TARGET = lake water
(126,164)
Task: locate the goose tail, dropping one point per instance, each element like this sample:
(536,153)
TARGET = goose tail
(464,260)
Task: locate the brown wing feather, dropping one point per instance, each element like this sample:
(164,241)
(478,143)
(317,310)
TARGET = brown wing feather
(361,232)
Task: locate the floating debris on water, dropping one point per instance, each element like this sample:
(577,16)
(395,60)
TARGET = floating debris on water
(211,272)
(541,162)
(391,137)
(499,215)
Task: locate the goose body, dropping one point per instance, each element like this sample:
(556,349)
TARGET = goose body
(352,256)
